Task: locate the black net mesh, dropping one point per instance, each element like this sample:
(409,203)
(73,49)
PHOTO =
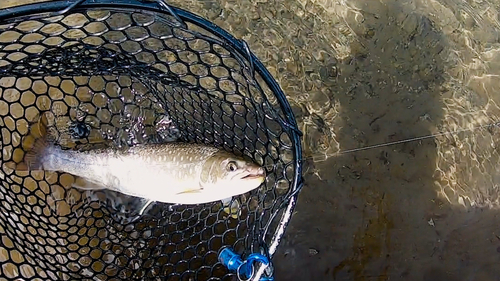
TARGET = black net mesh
(121,77)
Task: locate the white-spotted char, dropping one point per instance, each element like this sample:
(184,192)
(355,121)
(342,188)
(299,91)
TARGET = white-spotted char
(181,173)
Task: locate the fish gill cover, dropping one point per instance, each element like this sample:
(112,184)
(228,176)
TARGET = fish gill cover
(121,73)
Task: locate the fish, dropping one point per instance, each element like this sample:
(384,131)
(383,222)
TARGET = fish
(173,172)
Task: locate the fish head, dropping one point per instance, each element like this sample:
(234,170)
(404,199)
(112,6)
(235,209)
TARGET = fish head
(229,175)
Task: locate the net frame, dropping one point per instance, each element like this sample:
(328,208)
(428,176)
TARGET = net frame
(239,47)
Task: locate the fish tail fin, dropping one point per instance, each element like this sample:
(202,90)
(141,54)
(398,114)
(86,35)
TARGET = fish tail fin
(34,157)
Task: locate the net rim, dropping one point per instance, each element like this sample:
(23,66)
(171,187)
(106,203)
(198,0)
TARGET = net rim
(61,7)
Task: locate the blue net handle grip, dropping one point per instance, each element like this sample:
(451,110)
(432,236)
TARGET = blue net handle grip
(243,268)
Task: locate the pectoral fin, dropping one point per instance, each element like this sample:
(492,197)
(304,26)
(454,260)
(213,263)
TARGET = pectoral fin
(190,191)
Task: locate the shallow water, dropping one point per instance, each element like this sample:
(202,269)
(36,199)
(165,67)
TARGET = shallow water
(361,73)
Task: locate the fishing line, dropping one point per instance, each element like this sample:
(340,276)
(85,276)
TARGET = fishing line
(324,157)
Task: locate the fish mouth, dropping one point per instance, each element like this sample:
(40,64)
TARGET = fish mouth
(252,175)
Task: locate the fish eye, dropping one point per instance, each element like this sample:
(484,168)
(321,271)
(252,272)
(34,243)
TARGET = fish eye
(231,166)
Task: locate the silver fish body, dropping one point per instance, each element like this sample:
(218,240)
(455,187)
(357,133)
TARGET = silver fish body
(180,173)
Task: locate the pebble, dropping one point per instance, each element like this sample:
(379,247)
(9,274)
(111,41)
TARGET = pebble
(313,252)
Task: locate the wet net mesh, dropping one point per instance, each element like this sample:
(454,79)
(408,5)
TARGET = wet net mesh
(107,76)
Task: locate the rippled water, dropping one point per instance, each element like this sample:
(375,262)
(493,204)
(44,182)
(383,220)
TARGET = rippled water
(361,73)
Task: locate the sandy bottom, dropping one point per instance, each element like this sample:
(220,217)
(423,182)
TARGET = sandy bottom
(361,73)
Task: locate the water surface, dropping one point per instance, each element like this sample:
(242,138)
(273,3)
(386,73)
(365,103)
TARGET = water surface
(361,73)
